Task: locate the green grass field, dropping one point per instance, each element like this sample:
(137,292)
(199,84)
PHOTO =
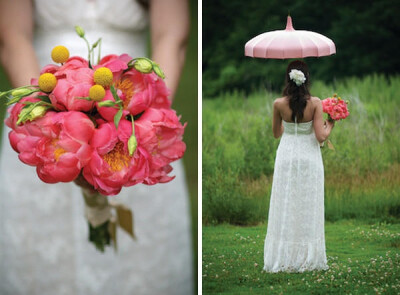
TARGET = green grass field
(363,259)
(362,176)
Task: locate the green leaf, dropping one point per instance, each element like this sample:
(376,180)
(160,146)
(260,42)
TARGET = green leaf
(14,100)
(84,98)
(117,118)
(25,112)
(44,98)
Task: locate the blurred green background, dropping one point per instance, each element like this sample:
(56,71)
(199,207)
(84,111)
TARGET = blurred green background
(185,104)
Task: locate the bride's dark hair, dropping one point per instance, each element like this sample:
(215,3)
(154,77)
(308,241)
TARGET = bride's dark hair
(297,95)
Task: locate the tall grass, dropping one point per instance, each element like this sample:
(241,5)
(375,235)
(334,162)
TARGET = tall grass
(362,176)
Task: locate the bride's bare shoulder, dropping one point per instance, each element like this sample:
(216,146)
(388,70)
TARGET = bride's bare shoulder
(315,100)
(279,101)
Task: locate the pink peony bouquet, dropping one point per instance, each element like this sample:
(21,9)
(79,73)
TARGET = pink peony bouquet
(335,107)
(104,126)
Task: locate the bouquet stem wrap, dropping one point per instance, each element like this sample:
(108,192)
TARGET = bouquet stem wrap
(97,207)
(102,223)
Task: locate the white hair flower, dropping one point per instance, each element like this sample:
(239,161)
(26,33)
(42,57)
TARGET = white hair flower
(297,77)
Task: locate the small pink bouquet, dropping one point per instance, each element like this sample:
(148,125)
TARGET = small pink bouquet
(104,126)
(335,107)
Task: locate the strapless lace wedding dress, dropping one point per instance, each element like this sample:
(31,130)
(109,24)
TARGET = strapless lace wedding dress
(295,240)
(44,247)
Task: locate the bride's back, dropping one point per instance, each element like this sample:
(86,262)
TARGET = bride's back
(286,112)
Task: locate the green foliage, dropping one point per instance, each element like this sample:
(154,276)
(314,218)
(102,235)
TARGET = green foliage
(362,259)
(365,36)
(362,176)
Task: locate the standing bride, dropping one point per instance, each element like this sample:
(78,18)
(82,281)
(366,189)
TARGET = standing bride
(295,240)
(44,247)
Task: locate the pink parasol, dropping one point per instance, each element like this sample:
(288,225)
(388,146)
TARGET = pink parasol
(289,43)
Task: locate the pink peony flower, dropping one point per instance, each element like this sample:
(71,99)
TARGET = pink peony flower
(65,96)
(72,64)
(160,133)
(116,64)
(111,167)
(66,150)
(138,91)
(24,138)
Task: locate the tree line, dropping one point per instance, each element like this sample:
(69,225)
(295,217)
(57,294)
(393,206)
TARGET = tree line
(366,35)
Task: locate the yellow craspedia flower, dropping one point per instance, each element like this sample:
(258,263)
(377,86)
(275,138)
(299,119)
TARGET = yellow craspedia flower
(97,92)
(60,54)
(103,76)
(47,82)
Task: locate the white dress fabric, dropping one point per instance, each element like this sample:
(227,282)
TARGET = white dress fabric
(44,246)
(295,240)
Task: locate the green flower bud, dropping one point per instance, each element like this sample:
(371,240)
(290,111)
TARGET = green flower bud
(80,31)
(96,43)
(30,114)
(158,71)
(37,112)
(132,145)
(143,65)
(21,92)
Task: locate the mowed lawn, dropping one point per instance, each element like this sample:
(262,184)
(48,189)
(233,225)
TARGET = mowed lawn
(364,258)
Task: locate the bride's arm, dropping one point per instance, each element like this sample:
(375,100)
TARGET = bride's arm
(169,33)
(277,126)
(16,50)
(322,128)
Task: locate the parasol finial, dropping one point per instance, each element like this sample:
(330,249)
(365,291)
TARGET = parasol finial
(289,25)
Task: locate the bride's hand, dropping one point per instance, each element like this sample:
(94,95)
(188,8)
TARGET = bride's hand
(329,123)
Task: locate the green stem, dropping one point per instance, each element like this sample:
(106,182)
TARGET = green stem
(88,46)
(99,54)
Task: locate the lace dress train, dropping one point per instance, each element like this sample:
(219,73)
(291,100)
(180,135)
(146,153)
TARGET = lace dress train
(295,240)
